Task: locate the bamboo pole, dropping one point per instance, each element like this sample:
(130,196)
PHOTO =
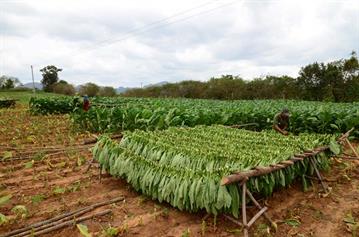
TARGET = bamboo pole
(62,216)
(46,226)
(68,223)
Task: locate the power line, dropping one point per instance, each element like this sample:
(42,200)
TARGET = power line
(161,20)
(109,42)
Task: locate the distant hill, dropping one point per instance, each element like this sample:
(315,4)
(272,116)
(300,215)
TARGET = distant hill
(120,89)
(157,84)
(38,85)
(124,89)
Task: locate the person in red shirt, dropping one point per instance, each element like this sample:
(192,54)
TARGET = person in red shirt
(86,104)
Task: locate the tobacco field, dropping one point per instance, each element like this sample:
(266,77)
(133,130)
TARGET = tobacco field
(169,164)
(119,114)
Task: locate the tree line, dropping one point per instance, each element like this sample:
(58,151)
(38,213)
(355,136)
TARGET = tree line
(51,83)
(336,81)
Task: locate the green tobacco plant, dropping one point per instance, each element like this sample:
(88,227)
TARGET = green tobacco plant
(184,166)
(118,114)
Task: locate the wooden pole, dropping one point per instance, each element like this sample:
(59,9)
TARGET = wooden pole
(33,81)
(318,174)
(260,207)
(62,216)
(259,171)
(352,148)
(68,223)
(244,209)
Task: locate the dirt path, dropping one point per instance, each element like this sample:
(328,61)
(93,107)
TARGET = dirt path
(59,184)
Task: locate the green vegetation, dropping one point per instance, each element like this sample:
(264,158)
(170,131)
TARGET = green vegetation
(184,166)
(49,77)
(7,103)
(8,82)
(55,105)
(150,114)
(336,81)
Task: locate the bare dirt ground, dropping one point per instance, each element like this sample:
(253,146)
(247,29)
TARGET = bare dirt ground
(48,185)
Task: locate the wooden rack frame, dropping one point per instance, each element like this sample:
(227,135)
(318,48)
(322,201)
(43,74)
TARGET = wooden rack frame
(242,177)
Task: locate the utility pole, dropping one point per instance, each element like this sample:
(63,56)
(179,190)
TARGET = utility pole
(33,82)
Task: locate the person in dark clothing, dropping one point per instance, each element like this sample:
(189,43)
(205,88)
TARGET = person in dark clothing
(281,122)
(86,105)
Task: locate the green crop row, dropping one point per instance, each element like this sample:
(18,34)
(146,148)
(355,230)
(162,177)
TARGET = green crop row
(7,103)
(118,114)
(53,105)
(184,166)
(151,114)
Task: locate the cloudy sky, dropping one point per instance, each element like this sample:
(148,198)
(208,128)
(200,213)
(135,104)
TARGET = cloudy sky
(126,43)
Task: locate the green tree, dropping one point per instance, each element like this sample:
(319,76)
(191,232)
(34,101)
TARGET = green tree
(8,82)
(49,77)
(62,87)
(107,91)
(90,89)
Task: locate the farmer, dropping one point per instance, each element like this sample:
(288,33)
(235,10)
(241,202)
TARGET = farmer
(86,105)
(281,121)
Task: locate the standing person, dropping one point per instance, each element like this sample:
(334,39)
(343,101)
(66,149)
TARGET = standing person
(86,104)
(281,122)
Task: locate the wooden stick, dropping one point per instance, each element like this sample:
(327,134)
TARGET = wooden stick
(348,157)
(256,216)
(233,220)
(259,207)
(244,209)
(69,223)
(35,225)
(239,176)
(318,174)
(94,140)
(49,149)
(42,223)
(352,148)
(29,231)
(345,135)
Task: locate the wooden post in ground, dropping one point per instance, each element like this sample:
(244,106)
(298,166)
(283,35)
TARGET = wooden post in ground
(244,209)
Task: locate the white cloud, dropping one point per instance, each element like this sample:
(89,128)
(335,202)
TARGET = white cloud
(90,39)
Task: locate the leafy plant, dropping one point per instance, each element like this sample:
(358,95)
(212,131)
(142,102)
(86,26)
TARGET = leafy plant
(7,155)
(20,211)
(37,198)
(3,219)
(81,160)
(110,232)
(292,222)
(29,164)
(186,233)
(351,223)
(59,190)
(117,114)
(5,199)
(83,230)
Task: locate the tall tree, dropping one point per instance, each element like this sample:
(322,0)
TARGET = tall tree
(49,77)
(8,82)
